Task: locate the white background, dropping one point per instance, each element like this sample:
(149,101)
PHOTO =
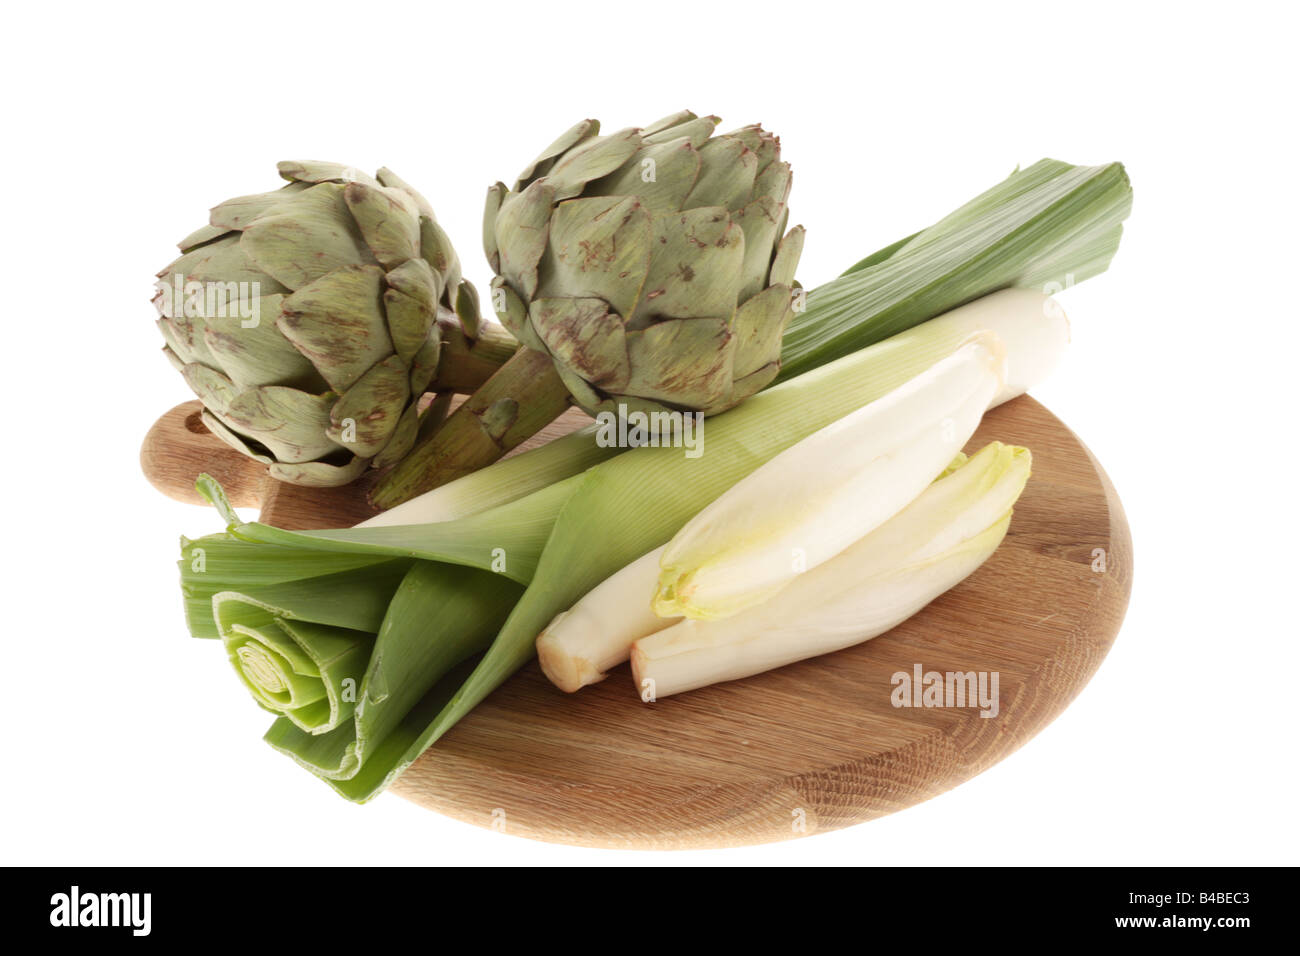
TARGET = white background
(128,743)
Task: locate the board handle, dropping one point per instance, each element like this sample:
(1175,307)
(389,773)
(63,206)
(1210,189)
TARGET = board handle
(179,447)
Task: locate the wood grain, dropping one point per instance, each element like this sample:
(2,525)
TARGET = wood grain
(811,747)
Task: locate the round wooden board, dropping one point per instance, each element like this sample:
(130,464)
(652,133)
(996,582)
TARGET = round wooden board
(811,747)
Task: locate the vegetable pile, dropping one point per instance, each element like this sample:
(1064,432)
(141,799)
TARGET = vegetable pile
(649,271)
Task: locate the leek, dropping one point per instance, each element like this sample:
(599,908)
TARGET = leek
(862,469)
(877,583)
(346,634)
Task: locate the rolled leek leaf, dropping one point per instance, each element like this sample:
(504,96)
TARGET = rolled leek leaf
(296,669)
(442,615)
(344,659)
(820,495)
(872,586)
(345,635)
(507,539)
(356,600)
(221,562)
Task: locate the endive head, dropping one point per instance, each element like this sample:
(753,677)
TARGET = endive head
(888,575)
(970,497)
(828,490)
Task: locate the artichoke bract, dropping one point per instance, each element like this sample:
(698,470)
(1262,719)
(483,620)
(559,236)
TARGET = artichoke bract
(653,269)
(310,321)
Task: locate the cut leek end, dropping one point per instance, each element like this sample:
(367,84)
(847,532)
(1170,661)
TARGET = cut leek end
(275,686)
(566,670)
(264,675)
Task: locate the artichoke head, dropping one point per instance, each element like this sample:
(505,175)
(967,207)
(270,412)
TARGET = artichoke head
(652,264)
(309,320)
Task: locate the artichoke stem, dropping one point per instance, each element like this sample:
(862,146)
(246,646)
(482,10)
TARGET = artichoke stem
(519,400)
(466,364)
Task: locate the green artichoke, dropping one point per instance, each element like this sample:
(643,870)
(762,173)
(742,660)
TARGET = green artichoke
(310,320)
(651,267)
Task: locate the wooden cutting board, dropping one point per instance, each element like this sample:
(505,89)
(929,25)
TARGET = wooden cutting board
(808,748)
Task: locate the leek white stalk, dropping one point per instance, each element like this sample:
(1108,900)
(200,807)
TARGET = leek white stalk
(1032,326)
(827,491)
(505,481)
(877,583)
(584,642)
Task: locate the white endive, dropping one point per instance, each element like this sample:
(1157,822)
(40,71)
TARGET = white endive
(584,642)
(819,496)
(877,583)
